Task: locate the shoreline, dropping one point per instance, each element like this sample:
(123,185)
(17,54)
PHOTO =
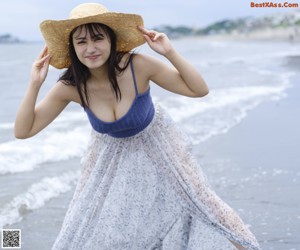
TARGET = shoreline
(290,35)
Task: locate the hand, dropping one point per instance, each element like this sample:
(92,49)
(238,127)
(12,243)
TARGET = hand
(40,67)
(159,42)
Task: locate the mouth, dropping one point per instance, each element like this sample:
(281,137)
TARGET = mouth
(94,57)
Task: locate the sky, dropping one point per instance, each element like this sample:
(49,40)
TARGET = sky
(21,18)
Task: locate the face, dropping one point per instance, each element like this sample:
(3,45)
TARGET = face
(92,48)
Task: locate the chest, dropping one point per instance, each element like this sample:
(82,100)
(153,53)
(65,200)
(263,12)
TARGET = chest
(105,106)
(103,102)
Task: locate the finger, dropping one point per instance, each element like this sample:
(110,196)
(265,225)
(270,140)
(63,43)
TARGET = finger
(150,33)
(158,35)
(148,39)
(44,52)
(47,58)
(42,61)
(46,49)
(143,29)
(47,61)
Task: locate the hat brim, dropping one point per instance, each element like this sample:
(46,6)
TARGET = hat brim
(56,34)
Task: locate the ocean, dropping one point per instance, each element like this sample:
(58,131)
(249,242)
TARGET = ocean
(38,175)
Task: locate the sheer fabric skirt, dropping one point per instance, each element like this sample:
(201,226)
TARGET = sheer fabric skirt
(147,192)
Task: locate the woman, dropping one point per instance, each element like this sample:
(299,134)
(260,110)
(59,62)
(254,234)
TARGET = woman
(140,187)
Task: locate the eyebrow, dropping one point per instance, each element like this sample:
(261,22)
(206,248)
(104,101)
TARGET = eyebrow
(84,37)
(80,38)
(98,35)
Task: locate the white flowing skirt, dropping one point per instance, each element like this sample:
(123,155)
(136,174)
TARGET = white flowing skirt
(147,192)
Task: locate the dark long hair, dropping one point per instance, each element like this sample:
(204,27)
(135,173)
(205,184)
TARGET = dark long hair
(78,74)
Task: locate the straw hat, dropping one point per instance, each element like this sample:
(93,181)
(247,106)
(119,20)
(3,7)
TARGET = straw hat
(56,32)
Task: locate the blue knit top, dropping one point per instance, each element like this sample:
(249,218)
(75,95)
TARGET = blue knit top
(137,118)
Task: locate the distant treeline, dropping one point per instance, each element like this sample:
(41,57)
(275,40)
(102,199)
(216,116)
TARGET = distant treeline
(240,25)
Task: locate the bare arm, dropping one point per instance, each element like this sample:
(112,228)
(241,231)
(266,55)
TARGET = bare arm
(183,78)
(32,118)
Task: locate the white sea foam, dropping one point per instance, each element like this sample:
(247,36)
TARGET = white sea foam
(219,99)
(222,109)
(36,197)
(51,146)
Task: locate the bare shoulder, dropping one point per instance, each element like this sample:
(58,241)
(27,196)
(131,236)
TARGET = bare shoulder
(146,65)
(140,61)
(66,92)
(145,60)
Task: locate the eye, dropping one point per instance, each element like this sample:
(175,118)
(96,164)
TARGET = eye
(98,38)
(81,42)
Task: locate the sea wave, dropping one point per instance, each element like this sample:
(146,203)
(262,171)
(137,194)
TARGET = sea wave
(36,197)
(53,146)
(222,109)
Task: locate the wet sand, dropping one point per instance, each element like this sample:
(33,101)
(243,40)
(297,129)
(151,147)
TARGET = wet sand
(255,168)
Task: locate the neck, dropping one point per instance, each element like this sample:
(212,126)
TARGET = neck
(100,74)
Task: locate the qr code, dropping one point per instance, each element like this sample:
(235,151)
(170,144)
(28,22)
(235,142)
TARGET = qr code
(11,238)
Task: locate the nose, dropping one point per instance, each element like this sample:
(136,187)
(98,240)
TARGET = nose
(90,47)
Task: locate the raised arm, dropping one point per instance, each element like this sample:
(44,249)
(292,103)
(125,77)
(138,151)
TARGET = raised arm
(183,79)
(32,118)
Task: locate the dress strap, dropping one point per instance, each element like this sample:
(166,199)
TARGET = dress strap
(133,75)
